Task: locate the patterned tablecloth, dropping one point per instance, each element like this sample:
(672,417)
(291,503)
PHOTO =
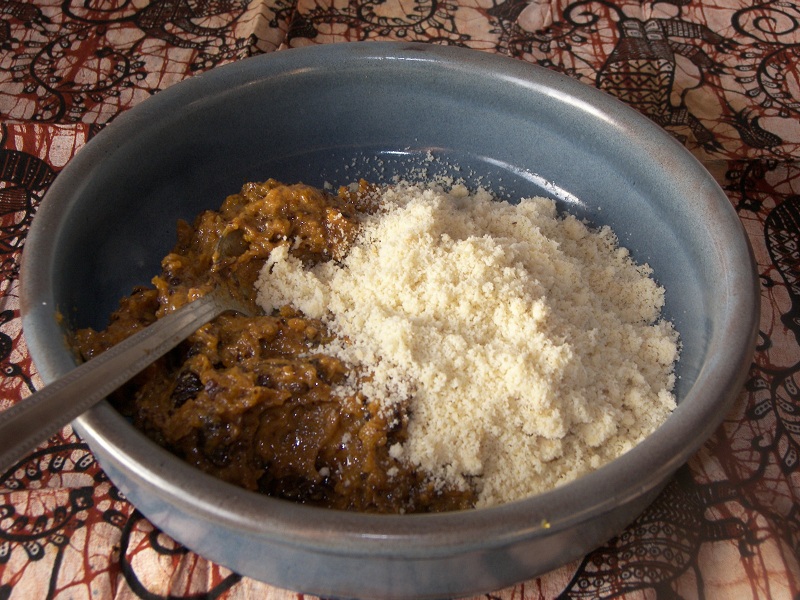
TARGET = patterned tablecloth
(722,76)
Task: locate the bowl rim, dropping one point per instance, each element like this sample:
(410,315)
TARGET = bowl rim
(428,534)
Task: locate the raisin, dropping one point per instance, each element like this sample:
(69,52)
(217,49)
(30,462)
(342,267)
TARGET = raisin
(187,386)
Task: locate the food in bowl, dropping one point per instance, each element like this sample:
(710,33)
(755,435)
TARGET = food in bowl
(420,348)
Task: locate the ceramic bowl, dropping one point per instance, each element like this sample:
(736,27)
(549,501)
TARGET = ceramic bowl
(334,114)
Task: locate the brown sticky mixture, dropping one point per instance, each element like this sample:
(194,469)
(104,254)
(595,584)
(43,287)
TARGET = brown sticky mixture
(249,399)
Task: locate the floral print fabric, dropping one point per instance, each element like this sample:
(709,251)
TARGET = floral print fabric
(721,76)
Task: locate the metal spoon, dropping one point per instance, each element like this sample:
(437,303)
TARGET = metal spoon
(37,417)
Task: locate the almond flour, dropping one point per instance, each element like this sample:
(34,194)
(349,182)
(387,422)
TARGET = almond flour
(528,346)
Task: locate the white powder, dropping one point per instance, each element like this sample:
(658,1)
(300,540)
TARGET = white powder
(528,345)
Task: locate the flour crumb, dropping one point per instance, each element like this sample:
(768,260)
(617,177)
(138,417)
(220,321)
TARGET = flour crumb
(529,346)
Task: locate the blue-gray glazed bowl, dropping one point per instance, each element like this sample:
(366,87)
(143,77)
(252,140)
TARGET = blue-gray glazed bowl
(334,114)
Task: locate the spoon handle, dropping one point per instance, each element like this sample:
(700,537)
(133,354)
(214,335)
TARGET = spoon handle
(37,417)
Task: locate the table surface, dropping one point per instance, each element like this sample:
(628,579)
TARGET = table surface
(722,76)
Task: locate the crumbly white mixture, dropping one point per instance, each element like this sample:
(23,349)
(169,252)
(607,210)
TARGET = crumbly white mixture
(529,346)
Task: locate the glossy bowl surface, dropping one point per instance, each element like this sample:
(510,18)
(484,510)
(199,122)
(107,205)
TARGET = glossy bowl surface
(336,113)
